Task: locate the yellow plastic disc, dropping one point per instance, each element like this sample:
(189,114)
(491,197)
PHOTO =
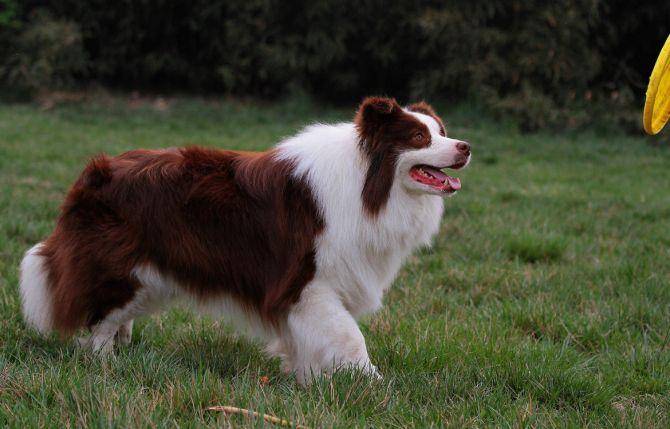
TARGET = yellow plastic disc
(657,106)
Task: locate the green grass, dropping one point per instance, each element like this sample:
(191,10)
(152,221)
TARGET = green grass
(545,300)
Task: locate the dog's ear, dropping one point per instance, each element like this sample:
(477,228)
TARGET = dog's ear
(373,113)
(422,107)
(427,109)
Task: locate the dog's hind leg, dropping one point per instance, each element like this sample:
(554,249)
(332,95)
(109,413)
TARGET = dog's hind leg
(102,337)
(117,323)
(150,295)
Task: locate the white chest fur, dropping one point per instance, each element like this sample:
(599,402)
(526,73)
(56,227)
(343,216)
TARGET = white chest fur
(358,255)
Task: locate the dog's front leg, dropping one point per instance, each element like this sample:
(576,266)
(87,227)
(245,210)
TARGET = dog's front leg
(323,336)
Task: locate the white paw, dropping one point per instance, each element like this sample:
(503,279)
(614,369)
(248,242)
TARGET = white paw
(103,346)
(373,372)
(124,334)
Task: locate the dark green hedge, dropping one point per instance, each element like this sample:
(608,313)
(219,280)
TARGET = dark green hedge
(519,57)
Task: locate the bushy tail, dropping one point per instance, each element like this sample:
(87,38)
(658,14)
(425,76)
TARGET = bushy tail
(36,300)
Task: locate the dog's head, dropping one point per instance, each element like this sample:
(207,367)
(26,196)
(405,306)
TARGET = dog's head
(408,145)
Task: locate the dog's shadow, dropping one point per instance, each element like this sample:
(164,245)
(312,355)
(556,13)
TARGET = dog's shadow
(217,351)
(203,347)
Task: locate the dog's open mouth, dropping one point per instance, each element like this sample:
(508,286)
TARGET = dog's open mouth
(435,178)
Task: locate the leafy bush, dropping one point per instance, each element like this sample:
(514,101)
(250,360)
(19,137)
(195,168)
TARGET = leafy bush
(532,60)
(9,11)
(221,46)
(10,23)
(46,54)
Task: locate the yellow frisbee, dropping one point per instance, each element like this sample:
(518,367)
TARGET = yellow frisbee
(657,106)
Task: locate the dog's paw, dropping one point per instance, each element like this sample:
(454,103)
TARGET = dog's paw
(96,345)
(125,334)
(374,373)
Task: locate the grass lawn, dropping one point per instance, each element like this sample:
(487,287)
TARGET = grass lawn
(545,300)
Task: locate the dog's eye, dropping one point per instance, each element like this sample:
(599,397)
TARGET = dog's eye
(418,137)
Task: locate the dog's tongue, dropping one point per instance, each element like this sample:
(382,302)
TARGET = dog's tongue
(454,182)
(438,174)
(449,183)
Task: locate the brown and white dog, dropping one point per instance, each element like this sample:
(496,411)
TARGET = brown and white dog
(293,244)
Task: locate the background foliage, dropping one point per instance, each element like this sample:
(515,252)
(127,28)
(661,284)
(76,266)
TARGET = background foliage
(537,61)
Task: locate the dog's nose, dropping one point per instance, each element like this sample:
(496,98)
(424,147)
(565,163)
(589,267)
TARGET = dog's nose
(463,148)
